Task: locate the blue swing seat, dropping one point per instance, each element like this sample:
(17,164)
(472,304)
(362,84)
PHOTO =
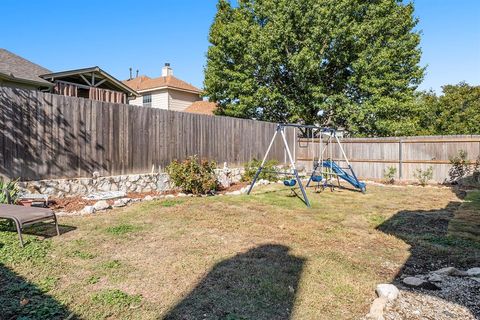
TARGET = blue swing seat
(290,183)
(317,178)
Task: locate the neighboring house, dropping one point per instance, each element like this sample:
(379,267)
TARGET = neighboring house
(18,72)
(202,107)
(91,83)
(165,92)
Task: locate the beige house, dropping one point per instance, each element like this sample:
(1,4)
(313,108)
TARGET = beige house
(165,92)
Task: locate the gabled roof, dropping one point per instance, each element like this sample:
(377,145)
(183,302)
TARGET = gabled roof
(17,69)
(202,107)
(93,76)
(144,83)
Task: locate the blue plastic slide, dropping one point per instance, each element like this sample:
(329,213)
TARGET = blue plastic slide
(352,179)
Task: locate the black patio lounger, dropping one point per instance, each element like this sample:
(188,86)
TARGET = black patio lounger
(24,216)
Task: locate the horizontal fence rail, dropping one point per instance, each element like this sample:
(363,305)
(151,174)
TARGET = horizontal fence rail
(47,136)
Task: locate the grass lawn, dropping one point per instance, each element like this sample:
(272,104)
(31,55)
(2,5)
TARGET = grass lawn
(264,256)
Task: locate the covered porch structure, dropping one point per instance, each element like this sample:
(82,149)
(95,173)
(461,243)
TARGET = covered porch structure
(90,83)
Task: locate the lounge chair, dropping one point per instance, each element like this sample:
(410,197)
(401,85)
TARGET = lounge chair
(24,216)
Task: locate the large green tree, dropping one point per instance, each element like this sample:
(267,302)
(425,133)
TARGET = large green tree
(455,111)
(350,63)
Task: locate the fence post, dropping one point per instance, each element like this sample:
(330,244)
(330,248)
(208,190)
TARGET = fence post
(400,159)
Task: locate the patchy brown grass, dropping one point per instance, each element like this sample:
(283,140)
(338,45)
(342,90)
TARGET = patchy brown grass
(264,256)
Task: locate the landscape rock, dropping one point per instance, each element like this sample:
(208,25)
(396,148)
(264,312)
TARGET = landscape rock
(121,202)
(148,198)
(224,179)
(376,309)
(435,277)
(101,205)
(88,210)
(388,291)
(169,196)
(134,178)
(181,194)
(451,271)
(413,281)
(473,272)
(126,183)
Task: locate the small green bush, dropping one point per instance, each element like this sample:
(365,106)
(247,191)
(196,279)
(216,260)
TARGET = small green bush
(389,175)
(194,176)
(269,173)
(11,187)
(460,166)
(424,176)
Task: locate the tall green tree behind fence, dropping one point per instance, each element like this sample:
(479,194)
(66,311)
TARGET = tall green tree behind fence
(335,62)
(44,136)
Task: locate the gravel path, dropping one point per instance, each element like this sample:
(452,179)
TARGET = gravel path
(459,298)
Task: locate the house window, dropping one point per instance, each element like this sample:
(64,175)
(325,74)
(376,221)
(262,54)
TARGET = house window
(147,100)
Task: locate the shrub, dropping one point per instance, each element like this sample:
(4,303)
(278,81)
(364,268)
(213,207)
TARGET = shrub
(389,174)
(460,166)
(194,176)
(423,176)
(11,187)
(269,173)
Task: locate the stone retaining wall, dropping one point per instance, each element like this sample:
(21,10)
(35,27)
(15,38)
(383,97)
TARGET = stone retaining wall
(127,183)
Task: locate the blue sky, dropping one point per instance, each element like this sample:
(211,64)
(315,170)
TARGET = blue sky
(116,35)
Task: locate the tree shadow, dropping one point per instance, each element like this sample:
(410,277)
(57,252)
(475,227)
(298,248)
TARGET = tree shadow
(432,247)
(20,299)
(258,284)
(39,140)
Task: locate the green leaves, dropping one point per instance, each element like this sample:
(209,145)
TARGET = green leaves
(456,111)
(193,176)
(287,60)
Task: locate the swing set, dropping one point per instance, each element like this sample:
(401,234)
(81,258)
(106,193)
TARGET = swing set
(325,169)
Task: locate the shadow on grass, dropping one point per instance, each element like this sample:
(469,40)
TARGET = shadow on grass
(20,299)
(433,247)
(41,229)
(258,284)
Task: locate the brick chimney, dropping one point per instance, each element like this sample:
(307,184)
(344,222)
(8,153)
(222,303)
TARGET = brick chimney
(167,70)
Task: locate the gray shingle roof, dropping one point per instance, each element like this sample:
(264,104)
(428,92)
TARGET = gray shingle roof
(20,69)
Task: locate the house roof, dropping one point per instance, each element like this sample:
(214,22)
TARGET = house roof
(93,77)
(144,83)
(202,107)
(17,69)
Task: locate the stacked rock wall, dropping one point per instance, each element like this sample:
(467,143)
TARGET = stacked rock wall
(127,183)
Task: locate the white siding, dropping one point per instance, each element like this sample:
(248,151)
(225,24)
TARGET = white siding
(137,101)
(180,100)
(160,99)
(168,99)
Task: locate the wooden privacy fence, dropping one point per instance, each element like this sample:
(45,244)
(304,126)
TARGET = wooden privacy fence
(371,156)
(46,136)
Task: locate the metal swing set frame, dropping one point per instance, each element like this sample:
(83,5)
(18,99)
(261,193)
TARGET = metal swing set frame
(318,162)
